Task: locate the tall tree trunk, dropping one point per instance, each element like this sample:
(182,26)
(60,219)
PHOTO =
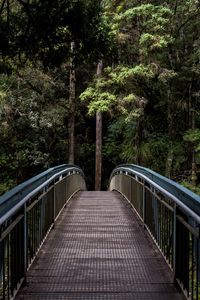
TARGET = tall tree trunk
(98,158)
(138,140)
(192,125)
(169,162)
(194,167)
(171,133)
(71,121)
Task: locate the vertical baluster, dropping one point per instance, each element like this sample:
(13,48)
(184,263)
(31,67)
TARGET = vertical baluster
(197,269)
(144,203)
(8,267)
(4,268)
(174,240)
(25,240)
(192,262)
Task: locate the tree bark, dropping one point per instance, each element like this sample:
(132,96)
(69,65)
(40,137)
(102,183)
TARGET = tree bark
(98,158)
(71,121)
(138,140)
(169,162)
(194,166)
(192,125)
(171,133)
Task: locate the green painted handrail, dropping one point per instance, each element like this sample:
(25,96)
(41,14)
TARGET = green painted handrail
(189,198)
(12,197)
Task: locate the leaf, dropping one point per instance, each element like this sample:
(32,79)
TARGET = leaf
(192,135)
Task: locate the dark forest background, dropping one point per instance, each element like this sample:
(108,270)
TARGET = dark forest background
(148,92)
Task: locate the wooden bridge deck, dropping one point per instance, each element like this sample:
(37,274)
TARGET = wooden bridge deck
(99,250)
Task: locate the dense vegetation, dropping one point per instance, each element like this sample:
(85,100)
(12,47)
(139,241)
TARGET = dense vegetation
(148,93)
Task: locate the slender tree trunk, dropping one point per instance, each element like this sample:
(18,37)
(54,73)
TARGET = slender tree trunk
(194,167)
(169,162)
(192,125)
(171,133)
(71,121)
(138,140)
(98,151)
(98,159)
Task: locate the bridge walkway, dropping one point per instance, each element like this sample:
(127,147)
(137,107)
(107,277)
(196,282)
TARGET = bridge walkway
(99,250)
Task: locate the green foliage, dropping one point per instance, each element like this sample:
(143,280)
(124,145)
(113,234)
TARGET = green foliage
(156,13)
(154,153)
(188,185)
(111,92)
(154,42)
(146,26)
(32,117)
(192,135)
(167,76)
(148,91)
(113,148)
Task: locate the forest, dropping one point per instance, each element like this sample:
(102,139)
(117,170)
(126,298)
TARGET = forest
(147,90)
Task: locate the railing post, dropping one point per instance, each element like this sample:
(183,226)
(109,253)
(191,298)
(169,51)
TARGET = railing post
(25,240)
(54,201)
(174,242)
(144,204)
(155,214)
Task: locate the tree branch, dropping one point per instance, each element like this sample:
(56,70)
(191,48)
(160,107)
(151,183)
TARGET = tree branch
(34,88)
(186,21)
(2,6)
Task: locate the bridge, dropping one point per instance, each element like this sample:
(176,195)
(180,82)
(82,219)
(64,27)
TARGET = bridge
(138,240)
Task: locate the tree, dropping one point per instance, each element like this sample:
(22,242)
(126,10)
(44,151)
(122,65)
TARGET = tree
(148,92)
(152,73)
(72,97)
(98,161)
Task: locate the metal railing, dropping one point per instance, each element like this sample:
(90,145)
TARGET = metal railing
(171,213)
(27,214)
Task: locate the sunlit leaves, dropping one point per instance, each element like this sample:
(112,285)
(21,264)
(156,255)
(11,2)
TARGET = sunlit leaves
(112,91)
(166,75)
(151,42)
(192,135)
(152,11)
(98,101)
